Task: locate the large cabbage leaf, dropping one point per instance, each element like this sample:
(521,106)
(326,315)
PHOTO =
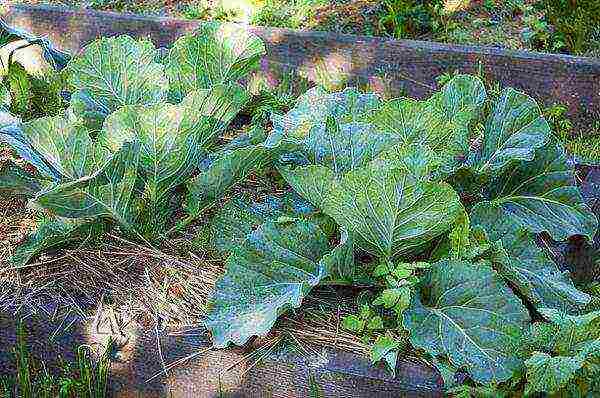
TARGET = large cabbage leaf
(219,104)
(51,233)
(16,181)
(566,334)
(215,54)
(514,130)
(65,147)
(75,178)
(466,313)
(318,114)
(442,122)
(225,172)
(83,204)
(241,215)
(316,105)
(386,208)
(173,138)
(114,72)
(348,129)
(232,222)
(106,194)
(232,163)
(202,115)
(525,265)
(60,149)
(566,352)
(550,374)
(168,153)
(271,272)
(375,190)
(541,195)
(344,147)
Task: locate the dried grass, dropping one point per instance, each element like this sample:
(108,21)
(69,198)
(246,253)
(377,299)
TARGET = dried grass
(161,287)
(134,278)
(321,326)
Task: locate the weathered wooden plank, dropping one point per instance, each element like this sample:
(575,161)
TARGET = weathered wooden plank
(402,66)
(137,366)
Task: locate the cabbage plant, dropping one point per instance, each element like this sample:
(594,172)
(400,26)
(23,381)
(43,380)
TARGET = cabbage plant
(459,182)
(138,127)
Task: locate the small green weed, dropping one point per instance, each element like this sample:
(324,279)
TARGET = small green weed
(408,18)
(82,379)
(575,25)
(584,145)
(315,390)
(278,99)
(556,115)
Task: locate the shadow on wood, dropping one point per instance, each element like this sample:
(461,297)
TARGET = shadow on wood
(137,367)
(404,66)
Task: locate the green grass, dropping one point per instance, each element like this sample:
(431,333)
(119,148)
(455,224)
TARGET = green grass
(585,145)
(586,148)
(82,379)
(293,14)
(576,24)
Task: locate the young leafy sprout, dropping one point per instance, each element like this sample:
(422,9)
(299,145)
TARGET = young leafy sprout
(137,128)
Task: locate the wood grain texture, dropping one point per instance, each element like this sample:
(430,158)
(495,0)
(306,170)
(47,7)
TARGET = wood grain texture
(137,364)
(403,66)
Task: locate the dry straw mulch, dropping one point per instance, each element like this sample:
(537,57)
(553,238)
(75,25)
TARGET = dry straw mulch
(168,286)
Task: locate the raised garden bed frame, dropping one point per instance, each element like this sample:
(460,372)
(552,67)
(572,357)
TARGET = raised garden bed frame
(408,67)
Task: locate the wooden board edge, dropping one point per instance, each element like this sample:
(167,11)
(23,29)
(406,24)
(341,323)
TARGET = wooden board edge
(402,67)
(137,365)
